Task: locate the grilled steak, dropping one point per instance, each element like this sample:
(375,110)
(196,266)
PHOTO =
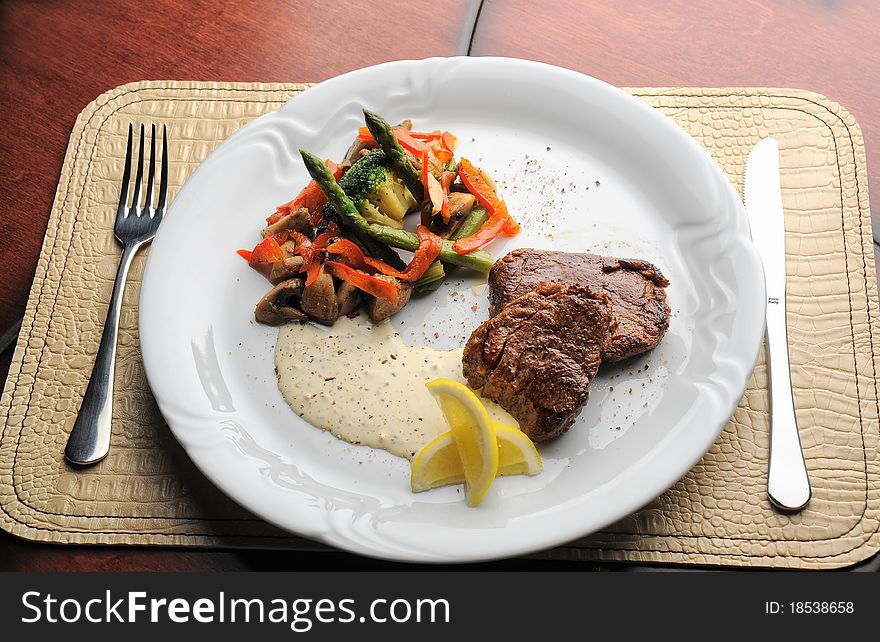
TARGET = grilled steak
(537,356)
(636,290)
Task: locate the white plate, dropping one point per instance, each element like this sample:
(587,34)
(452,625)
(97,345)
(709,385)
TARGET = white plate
(583,166)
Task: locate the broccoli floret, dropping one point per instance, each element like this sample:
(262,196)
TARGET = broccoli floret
(328,215)
(377,191)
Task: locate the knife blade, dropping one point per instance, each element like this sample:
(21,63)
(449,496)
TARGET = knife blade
(788,485)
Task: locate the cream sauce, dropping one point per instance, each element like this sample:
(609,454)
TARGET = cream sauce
(365,385)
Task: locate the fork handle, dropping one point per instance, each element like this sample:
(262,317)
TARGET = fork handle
(788,485)
(89,441)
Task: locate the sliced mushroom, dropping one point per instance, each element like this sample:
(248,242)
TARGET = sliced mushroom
(285,269)
(279,304)
(460,205)
(380,309)
(435,166)
(348,298)
(356,150)
(298,220)
(319,299)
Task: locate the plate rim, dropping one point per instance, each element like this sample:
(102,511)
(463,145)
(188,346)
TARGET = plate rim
(337,538)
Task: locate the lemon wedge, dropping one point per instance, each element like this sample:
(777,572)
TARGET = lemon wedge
(473,433)
(475,449)
(438,463)
(517,454)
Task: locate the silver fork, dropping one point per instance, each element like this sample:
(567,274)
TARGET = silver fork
(89,441)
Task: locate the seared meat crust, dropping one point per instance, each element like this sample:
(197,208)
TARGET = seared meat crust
(636,289)
(537,356)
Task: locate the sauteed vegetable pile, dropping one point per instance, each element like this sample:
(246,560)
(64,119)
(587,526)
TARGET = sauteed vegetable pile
(333,247)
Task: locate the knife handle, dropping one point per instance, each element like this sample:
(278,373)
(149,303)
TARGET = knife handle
(788,485)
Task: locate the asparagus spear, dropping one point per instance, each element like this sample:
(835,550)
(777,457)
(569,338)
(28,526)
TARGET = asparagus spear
(348,214)
(432,278)
(384,135)
(471,224)
(478,260)
(340,201)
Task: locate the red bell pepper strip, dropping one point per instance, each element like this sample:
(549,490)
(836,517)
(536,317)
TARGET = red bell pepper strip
(313,271)
(377,265)
(299,238)
(427,135)
(443,155)
(446,180)
(365,135)
(511,227)
(445,146)
(323,239)
(442,144)
(357,259)
(312,256)
(430,246)
(449,141)
(266,251)
(282,236)
(426,253)
(406,140)
(404,136)
(494,226)
(499,220)
(311,197)
(263,255)
(379,288)
(303,245)
(352,254)
(303,242)
(477,185)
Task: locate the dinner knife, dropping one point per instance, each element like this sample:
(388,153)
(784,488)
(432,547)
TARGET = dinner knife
(788,484)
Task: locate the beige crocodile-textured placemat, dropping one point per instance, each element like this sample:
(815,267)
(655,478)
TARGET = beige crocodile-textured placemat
(147,492)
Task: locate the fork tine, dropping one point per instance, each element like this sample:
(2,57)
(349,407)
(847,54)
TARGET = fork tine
(148,196)
(163,176)
(126,175)
(138,177)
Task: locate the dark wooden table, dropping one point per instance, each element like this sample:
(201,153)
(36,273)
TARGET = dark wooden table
(56,56)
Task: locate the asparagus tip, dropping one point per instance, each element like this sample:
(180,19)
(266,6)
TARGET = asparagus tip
(310,159)
(374,121)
